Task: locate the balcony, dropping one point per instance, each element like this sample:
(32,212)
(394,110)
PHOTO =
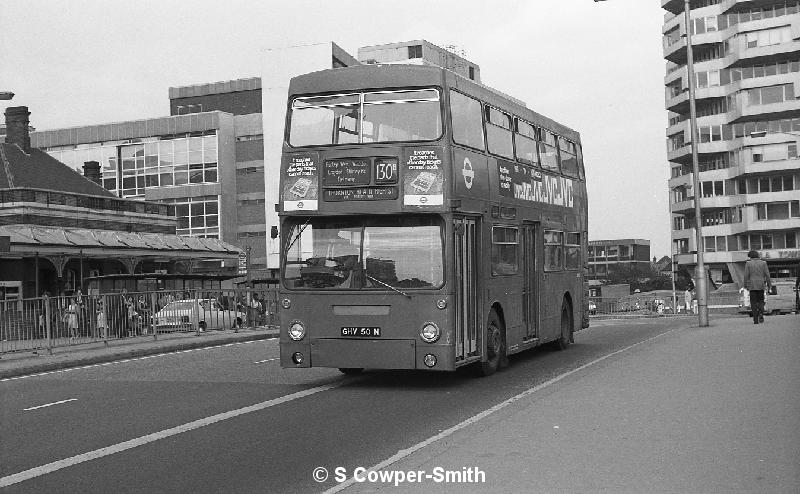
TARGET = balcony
(766,197)
(769,167)
(762,54)
(773,111)
(682,207)
(767,225)
(679,103)
(676,52)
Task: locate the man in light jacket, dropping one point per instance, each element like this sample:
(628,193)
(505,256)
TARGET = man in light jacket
(756,277)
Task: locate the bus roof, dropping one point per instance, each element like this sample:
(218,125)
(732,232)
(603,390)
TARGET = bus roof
(377,76)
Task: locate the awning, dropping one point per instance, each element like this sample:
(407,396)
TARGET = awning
(46,240)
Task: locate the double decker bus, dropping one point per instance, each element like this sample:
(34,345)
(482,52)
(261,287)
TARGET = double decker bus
(427,222)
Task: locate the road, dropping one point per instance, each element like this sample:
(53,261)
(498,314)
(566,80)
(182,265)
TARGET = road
(229,419)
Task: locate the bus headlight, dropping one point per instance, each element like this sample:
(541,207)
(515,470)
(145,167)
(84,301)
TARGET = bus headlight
(297,331)
(429,332)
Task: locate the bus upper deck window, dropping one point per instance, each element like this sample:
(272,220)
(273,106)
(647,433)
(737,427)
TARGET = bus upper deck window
(569,157)
(525,142)
(548,152)
(467,120)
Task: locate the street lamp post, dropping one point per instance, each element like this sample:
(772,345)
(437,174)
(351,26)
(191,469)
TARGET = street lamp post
(702,282)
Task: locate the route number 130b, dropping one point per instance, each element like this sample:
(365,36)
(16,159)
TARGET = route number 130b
(385,171)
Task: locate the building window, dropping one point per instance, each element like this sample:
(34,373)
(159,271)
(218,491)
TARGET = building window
(415,51)
(770,94)
(197,216)
(505,241)
(254,137)
(778,210)
(767,37)
(168,162)
(187,109)
(472,73)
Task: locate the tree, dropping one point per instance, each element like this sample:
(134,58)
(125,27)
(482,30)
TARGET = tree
(641,277)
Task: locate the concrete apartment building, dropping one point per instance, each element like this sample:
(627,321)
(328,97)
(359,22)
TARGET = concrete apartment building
(747,65)
(606,255)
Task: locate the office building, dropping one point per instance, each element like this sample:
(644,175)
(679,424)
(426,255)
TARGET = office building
(747,65)
(624,255)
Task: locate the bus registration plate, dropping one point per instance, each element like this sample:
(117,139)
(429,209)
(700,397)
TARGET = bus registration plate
(362,331)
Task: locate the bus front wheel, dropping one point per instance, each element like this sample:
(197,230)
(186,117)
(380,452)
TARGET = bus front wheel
(495,345)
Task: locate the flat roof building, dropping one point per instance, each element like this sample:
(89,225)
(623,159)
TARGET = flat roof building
(607,255)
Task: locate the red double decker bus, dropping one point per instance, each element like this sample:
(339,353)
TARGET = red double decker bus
(427,222)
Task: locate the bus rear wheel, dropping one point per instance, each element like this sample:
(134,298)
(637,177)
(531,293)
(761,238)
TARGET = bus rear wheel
(565,339)
(351,371)
(495,345)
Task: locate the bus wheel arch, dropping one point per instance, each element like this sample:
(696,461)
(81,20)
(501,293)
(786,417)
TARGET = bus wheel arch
(495,335)
(567,335)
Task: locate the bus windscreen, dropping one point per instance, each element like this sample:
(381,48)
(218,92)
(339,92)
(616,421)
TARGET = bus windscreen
(346,253)
(386,116)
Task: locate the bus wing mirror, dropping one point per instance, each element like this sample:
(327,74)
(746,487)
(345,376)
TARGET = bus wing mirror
(273,233)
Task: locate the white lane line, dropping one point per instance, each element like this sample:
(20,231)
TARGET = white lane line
(482,415)
(267,360)
(49,404)
(149,438)
(165,354)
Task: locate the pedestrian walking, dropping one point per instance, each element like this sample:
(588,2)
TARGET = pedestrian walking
(756,278)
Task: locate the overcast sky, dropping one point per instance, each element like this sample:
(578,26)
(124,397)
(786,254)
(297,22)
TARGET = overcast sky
(596,67)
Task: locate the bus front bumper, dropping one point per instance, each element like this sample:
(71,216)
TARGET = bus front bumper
(371,354)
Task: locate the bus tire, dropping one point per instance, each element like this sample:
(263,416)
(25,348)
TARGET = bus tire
(565,338)
(495,345)
(351,371)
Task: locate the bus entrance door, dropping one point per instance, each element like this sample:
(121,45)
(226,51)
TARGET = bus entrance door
(530,289)
(466,310)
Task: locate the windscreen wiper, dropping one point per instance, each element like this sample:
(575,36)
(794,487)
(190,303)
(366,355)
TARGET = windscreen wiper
(401,292)
(302,228)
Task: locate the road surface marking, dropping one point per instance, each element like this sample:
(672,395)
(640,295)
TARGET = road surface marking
(403,453)
(134,359)
(267,360)
(149,438)
(49,404)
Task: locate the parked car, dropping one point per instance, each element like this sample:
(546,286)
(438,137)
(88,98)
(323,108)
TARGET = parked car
(197,314)
(781,300)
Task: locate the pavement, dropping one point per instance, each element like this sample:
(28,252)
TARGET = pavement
(22,363)
(711,409)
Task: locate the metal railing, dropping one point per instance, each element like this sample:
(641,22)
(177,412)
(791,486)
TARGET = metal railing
(48,322)
(649,305)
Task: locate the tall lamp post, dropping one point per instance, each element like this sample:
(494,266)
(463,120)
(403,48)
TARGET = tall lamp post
(702,279)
